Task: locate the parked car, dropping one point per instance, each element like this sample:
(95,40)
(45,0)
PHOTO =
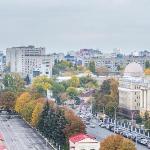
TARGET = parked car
(144,141)
(92,126)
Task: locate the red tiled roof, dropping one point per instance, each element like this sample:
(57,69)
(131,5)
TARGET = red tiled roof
(79,137)
(3,147)
(1,136)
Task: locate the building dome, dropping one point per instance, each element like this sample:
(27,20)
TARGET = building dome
(133,69)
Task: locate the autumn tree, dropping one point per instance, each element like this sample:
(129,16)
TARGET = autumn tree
(75,124)
(23,99)
(7,100)
(42,84)
(74,81)
(147,71)
(117,142)
(27,110)
(36,113)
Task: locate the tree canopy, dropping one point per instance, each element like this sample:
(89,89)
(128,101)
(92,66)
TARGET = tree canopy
(117,142)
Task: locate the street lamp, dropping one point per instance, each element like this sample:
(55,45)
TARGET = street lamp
(115,109)
(132,117)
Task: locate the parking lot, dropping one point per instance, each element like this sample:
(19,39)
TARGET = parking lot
(100,130)
(19,136)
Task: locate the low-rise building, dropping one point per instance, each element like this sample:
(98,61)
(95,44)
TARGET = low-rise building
(83,142)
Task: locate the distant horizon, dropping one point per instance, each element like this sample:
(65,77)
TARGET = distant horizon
(75,50)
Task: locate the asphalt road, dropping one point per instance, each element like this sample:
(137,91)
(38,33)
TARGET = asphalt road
(19,136)
(102,133)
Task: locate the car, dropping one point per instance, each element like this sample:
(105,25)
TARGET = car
(87,123)
(144,141)
(103,125)
(148,145)
(92,126)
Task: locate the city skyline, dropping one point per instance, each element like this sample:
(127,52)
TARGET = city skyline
(73,25)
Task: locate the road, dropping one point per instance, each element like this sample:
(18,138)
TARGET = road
(102,133)
(19,136)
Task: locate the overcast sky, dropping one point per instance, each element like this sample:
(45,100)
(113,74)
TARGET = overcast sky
(64,25)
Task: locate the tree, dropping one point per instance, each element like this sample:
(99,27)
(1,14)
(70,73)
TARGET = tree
(146,115)
(147,64)
(127,145)
(105,88)
(13,82)
(27,79)
(57,88)
(27,110)
(147,124)
(91,66)
(74,81)
(117,142)
(75,124)
(7,100)
(147,71)
(138,119)
(72,92)
(23,99)
(36,113)
(42,84)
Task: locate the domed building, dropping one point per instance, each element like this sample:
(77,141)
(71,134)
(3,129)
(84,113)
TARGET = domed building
(134,69)
(134,91)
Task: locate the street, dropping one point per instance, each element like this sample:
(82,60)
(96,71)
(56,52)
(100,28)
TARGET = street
(102,133)
(19,136)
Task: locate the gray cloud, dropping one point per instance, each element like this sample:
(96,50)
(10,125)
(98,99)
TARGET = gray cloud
(62,25)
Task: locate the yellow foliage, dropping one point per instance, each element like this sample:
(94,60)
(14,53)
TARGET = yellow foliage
(36,113)
(147,71)
(23,99)
(42,82)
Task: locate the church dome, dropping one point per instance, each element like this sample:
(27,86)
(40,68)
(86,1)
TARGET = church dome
(133,69)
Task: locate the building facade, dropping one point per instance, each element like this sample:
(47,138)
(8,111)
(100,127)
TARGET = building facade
(83,142)
(29,61)
(134,91)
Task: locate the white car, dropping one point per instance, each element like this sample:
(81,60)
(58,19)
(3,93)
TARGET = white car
(92,126)
(144,141)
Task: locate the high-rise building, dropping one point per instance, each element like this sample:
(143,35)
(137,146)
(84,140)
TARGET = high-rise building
(24,60)
(2,61)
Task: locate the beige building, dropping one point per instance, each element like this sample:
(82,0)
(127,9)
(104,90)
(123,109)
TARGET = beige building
(134,91)
(83,142)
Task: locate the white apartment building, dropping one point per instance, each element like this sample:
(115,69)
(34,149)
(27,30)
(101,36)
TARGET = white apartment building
(134,91)
(28,60)
(2,61)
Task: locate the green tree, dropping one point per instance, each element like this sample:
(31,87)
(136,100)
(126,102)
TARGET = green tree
(91,66)
(105,87)
(147,64)
(74,81)
(13,82)
(147,124)
(57,88)
(138,119)
(42,84)
(72,92)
